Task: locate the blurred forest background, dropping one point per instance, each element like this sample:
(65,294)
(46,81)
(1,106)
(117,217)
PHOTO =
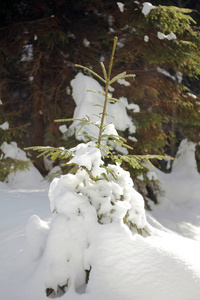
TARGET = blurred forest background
(41,40)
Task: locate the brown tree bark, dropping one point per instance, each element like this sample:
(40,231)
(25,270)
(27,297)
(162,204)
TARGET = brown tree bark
(38,110)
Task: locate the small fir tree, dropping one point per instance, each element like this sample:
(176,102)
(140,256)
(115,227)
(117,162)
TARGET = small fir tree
(97,191)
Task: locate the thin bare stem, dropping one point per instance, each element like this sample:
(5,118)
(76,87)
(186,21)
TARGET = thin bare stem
(92,72)
(106,92)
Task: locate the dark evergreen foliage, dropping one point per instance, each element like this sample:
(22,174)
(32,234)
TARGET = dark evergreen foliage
(41,41)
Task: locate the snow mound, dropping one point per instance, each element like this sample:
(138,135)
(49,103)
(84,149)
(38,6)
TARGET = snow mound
(132,267)
(22,179)
(30,179)
(36,233)
(182,184)
(120,263)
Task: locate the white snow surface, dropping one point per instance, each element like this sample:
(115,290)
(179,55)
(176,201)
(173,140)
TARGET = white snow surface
(147,7)
(87,155)
(166,73)
(11,150)
(63,128)
(4,126)
(43,244)
(170,36)
(121,6)
(182,184)
(28,179)
(123,81)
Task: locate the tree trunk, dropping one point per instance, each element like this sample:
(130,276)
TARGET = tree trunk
(173,140)
(38,110)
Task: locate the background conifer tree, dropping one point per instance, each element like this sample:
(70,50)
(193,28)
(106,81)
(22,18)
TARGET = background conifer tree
(41,41)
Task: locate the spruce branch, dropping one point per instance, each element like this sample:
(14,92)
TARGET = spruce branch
(97,92)
(104,70)
(113,100)
(52,152)
(92,72)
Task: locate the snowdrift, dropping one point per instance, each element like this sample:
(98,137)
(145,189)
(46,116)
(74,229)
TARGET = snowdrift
(122,263)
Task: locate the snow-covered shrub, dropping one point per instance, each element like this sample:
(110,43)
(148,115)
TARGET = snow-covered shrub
(113,197)
(80,203)
(12,158)
(97,192)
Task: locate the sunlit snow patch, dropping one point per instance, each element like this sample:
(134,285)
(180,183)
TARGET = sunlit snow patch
(147,7)
(90,104)
(170,36)
(121,6)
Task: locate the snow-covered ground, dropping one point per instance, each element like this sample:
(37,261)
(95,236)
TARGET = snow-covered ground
(40,249)
(163,266)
